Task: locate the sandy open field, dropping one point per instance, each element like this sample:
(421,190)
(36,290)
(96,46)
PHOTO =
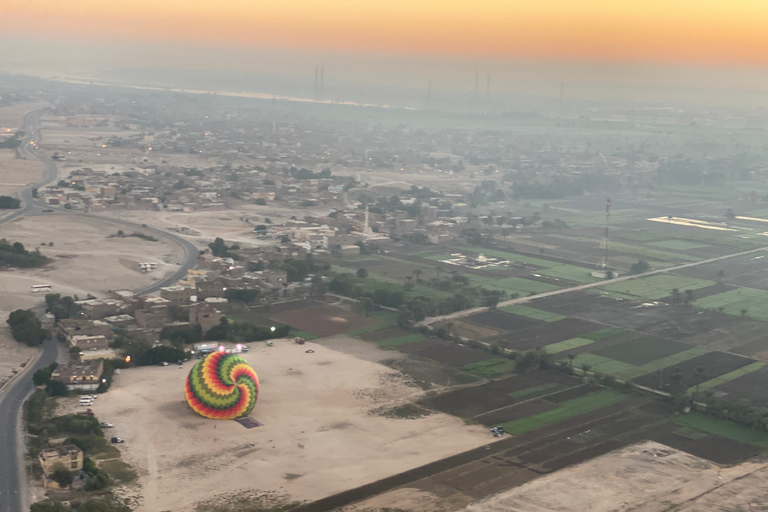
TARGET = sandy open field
(84,259)
(17,173)
(318,435)
(12,118)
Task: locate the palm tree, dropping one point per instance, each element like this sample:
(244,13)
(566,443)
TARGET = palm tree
(744,312)
(688,296)
(720,274)
(700,374)
(571,357)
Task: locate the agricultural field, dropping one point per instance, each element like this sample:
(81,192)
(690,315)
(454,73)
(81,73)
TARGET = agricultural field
(742,301)
(655,287)
(550,268)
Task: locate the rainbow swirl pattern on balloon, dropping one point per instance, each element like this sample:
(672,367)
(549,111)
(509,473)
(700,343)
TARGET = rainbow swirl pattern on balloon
(222,387)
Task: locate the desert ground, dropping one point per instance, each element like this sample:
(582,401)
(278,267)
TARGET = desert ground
(84,261)
(319,434)
(645,477)
(17,173)
(12,118)
(85,258)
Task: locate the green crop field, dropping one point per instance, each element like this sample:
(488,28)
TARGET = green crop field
(566,409)
(535,391)
(658,286)
(400,340)
(603,333)
(511,285)
(534,313)
(723,428)
(601,364)
(680,245)
(491,368)
(755,302)
(556,348)
(550,268)
(384,320)
(644,252)
(304,334)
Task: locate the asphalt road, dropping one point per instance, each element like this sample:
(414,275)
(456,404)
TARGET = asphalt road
(13,489)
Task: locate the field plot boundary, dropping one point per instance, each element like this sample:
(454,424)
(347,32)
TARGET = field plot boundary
(735,374)
(385,320)
(562,346)
(567,409)
(678,245)
(600,364)
(660,364)
(656,287)
(723,428)
(400,340)
(570,272)
(604,333)
(536,314)
(536,391)
(490,368)
(642,350)
(734,301)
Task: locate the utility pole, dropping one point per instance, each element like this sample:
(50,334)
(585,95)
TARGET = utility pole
(607,216)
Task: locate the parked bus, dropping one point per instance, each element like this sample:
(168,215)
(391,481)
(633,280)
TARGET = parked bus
(41,288)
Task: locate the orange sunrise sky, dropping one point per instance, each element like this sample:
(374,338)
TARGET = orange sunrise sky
(664,31)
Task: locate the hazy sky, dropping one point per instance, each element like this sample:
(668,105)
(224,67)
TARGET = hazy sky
(416,38)
(691,31)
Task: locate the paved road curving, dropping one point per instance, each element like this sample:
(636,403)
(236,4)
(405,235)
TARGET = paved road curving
(13,489)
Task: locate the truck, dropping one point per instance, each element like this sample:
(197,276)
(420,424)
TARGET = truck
(89,412)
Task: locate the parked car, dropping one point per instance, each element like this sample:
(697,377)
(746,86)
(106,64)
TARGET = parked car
(89,412)
(118,440)
(164,363)
(104,424)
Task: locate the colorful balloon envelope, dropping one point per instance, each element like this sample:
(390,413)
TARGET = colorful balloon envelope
(222,387)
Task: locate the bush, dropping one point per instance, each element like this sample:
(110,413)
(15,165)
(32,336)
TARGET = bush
(77,424)
(160,354)
(110,365)
(15,255)
(48,506)
(56,388)
(26,328)
(62,476)
(186,334)
(36,406)
(9,203)
(42,376)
